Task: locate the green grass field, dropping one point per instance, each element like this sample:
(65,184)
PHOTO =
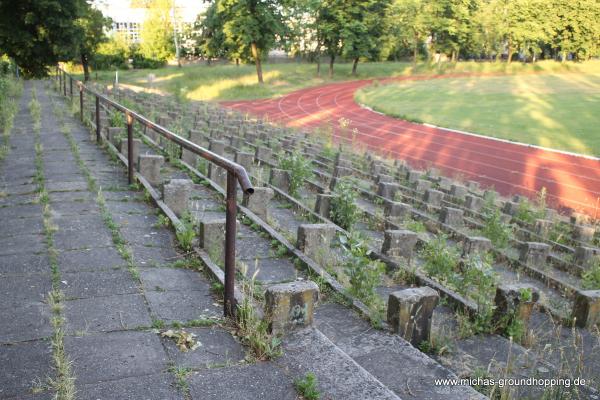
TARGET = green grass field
(230,82)
(556,110)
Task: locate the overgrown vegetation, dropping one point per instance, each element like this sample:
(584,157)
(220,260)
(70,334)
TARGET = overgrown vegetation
(590,279)
(494,229)
(252,330)
(343,209)
(10,91)
(307,387)
(299,169)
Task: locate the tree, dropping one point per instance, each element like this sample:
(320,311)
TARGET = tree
(577,29)
(408,23)
(363,29)
(156,35)
(38,33)
(92,25)
(330,20)
(252,27)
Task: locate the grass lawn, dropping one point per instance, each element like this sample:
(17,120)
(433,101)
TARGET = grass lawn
(230,82)
(556,110)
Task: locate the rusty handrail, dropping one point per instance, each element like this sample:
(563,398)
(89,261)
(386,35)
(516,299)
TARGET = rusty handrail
(234,170)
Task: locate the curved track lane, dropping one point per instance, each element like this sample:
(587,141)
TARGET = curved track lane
(572,181)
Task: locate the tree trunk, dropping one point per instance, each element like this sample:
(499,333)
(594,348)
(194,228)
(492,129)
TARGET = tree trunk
(86,68)
(415,51)
(237,62)
(354,66)
(319,64)
(453,56)
(331,61)
(256,55)
(510,52)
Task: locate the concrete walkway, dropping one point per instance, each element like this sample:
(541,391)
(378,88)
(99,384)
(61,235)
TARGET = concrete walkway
(113,268)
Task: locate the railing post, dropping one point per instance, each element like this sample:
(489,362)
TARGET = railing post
(81,102)
(59,73)
(230,227)
(98,138)
(130,149)
(65,84)
(71,87)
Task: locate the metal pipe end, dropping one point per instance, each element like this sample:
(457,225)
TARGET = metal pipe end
(249,191)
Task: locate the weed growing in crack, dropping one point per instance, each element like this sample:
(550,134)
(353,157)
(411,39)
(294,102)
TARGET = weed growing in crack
(307,387)
(344,211)
(185,233)
(63,382)
(254,331)
(494,229)
(299,169)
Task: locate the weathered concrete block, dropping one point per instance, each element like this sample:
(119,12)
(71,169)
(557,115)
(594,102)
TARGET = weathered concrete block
(124,149)
(387,190)
(515,300)
(458,191)
(542,227)
(290,305)
(511,208)
(114,134)
(323,204)
(246,160)
(375,168)
(451,216)
(433,197)
(384,178)
(395,210)
(412,176)
(534,253)
(263,154)
(217,175)
(188,157)
(197,136)
(211,237)
(433,173)
(579,218)
(586,309)
(315,240)
(409,313)
(476,245)
(584,233)
(473,203)
(259,202)
(399,243)
(280,178)
(340,172)
(176,195)
(585,256)
(473,186)
(217,146)
(445,183)
(149,166)
(422,185)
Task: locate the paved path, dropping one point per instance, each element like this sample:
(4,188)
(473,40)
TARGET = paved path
(571,181)
(114,269)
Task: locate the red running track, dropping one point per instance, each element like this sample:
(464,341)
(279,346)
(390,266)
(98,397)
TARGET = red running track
(572,182)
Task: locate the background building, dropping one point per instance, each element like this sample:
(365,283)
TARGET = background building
(128,15)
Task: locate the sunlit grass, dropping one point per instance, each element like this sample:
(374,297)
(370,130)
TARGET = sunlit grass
(557,110)
(230,82)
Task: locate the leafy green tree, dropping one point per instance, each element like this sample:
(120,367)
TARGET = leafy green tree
(252,28)
(38,33)
(408,22)
(156,35)
(330,20)
(92,25)
(577,29)
(363,29)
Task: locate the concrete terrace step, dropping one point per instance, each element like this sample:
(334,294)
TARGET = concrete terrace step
(399,366)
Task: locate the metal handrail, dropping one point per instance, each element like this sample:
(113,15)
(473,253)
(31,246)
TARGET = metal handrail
(234,170)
